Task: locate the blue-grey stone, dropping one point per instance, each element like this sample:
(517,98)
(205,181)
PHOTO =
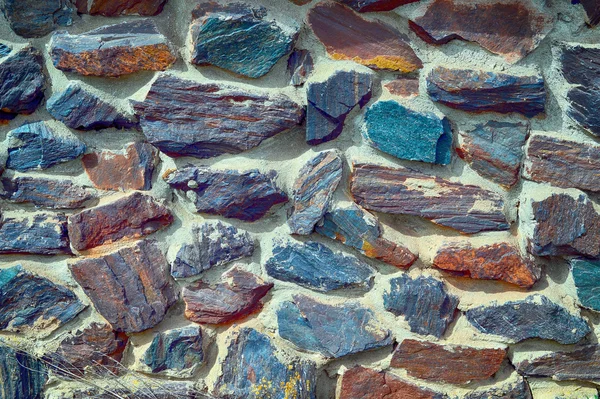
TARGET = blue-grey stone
(4,50)
(300,65)
(178,350)
(407,134)
(424,303)
(23,376)
(45,193)
(586,274)
(35,18)
(514,390)
(40,234)
(313,265)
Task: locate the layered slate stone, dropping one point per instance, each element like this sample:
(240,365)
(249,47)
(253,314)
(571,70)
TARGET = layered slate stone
(300,65)
(359,229)
(348,36)
(313,191)
(37,234)
(37,146)
(4,50)
(331,330)
(130,288)
(592,11)
(23,376)
(253,369)
(313,265)
(514,390)
(586,275)
(32,18)
(374,5)
(511,29)
(133,216)
(581,364)
(129,169)
(466,208)
(238,38)
(247,196)
(422,136)
(403,87)
(452,364)
(235,298)
(500,261)
(330,102)
(534,317)
(204,120)
(112,50)
(45,193)
(114,8)
(495,150)
(481,91)
(178,350)
(30,303)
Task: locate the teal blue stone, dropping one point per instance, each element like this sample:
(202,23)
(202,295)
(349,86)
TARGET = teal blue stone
(586,274)
(23,376)
(179,349)
(407,134)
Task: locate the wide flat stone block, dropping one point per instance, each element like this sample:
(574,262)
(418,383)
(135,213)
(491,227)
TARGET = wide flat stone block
(175,351)
(582,363)
(45,193)
(114,8)
(512,390)
(36,234)
(23,375)
(33,18)
(586,275)
(374,5)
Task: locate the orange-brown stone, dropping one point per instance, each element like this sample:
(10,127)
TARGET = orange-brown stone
(403,87)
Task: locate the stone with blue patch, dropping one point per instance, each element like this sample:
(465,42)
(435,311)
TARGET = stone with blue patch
(178,350)
(35,18)
(39,234)
(4,50)
(586,275)
(23,376)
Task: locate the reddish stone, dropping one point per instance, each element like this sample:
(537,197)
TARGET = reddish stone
(300,2)
(580,364)
(374,5)
(113,8)
(403,87)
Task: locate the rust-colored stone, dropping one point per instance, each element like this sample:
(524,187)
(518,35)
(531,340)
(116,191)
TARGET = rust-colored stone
(403,87)
(113,8)
(374,5)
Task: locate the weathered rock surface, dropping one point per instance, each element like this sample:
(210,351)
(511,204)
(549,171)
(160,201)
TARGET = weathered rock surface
(129,169)
(133,216)
(586,275)
(592,10)
(313,265)
(38,234)
(424,302)
(238,38)
(299,67)
(582,364)
(211,245)
(247,196)
(501,261)
(481,91)
(422,136)
(112,50)
(495,150)
(130,288)
(237,297)
(534,317)
(408,192)
(114,8)
(330,102)
(204,120)
(582,103)
(313,191)
(447,363)
(32,18)
(403,87)
(332,330)
(178,350)
(359,229)
(514,390)
(348,36)
(45,193)
(374,5)
(22,375)
(4,50)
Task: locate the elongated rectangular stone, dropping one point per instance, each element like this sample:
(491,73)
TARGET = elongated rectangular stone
(513,390)
(39,234)
(45,193)
(114,8)
(580,364)
(374,5)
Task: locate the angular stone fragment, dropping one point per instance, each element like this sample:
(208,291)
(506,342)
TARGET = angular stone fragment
(130,169)
(33,18)
(501,261)
(238,38)
(374,5)
(332,330)
(424,302)
(252,369)
(204,120)
(592,10)
(403,87)
(133,216)
(357,228)
(37,146)
(247,196)
(178,350)
(45,193)
(112,50)
(39,234)
(447,363)
(466,208)
(29,302)
(480,91)
(330,102)
(514,390)
(534,317)
(299,66)
(237,297)
(23,376)
(313,191)
(581,364)
(114,8)
(586,275)
(582,103)
(348,36)
(313,265)
(422,136)
(4,50)
(130,288)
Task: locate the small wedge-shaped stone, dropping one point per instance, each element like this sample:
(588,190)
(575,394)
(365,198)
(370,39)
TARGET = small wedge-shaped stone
(511,29)
(580,364)
(112,50)
(313,191)
(45,193)
(178,350)
(33,18)
(424,302)
(29,302)
(39,234)
(204,120)
(313,265)
(447,363)
(37,146)
(114,8)
(513,390)
(331,330)
(374,5)
(133,216)
(23,376)
(253,369)
(534,317)
(235,298)
(299,67)
(130,288)
(348,36)
(238,38)
(247,196)
(480,91)
(495,150)
(501,261)
(466,208)
(586,275)
(357,228)
(422,136)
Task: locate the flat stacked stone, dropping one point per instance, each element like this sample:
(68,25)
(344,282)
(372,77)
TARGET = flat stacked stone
(114,8)
(581,363)
(32,18)
(45,193)
(36,234)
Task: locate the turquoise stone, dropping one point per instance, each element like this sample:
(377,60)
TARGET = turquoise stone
(586,274)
